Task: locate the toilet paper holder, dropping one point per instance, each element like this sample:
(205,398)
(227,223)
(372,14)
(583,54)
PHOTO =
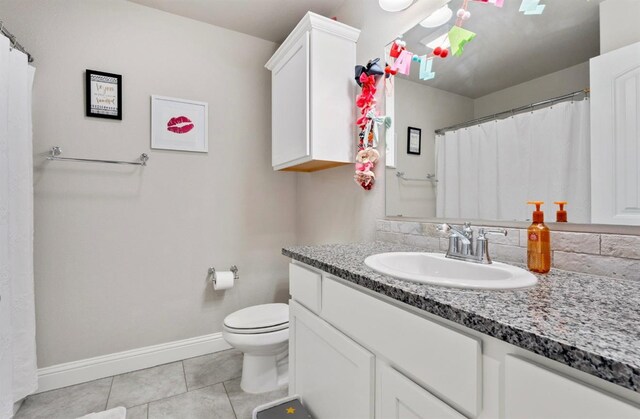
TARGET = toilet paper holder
(233,268)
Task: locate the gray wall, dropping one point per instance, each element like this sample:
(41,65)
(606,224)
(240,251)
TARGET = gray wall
(122,253)
(424,107)
(618,24)
(555,84)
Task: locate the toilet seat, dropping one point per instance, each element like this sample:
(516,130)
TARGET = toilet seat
(263,318)
(269,329)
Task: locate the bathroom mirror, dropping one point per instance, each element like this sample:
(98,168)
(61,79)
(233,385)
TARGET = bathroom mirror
(511,114)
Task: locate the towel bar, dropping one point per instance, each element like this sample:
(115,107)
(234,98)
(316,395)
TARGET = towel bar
(55,152)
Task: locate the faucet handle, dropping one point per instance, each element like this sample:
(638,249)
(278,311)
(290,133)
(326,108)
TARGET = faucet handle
(467,230)
(483,232)
(443,228)
(482,244)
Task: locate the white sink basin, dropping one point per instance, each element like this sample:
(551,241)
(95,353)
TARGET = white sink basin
(436,269)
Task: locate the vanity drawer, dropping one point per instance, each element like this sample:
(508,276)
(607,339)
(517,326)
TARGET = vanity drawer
(533,392)
(305,286)
(444,361)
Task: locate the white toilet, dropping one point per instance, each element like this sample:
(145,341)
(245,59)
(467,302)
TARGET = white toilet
(262,334)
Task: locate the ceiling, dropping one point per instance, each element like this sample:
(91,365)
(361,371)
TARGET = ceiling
(266,19)
(510,47)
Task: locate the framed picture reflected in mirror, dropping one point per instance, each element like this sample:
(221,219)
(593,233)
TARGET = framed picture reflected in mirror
(414,140)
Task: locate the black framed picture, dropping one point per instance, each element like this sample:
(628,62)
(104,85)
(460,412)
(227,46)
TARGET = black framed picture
(414,140)
(103,94)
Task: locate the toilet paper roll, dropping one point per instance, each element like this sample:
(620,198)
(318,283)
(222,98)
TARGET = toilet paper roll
(223,281)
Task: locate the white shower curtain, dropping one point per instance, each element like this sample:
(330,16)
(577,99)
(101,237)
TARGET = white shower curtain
(18,371)
(489,171)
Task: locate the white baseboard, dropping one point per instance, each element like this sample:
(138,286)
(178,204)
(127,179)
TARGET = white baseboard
(70,373)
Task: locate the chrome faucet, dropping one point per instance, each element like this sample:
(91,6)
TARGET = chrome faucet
(461,246)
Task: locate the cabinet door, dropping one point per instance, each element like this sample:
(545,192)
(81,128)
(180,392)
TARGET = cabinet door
(290,107)
(533,392)
(401,398)
(615,136)
(332,374)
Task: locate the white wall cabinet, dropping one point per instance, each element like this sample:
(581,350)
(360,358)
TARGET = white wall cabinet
(313,92)
(362,355)
(615,136)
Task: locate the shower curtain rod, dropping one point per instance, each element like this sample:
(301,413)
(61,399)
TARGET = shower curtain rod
(14,43)
(514,111)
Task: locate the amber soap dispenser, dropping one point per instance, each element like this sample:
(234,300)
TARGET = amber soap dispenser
(561,214)
(538,242)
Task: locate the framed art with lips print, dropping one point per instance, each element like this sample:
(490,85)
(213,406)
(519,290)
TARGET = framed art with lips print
(179,124)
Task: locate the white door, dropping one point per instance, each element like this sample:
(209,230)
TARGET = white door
(401,398)
(534,392)
(615,137)
(333,375)
(290,107)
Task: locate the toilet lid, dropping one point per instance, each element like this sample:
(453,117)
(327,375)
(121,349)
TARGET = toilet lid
(258,317)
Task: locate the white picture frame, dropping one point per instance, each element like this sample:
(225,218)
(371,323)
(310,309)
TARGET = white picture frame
(179,124)
(390,135)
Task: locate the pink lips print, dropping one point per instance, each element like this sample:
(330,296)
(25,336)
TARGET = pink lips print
(180,125)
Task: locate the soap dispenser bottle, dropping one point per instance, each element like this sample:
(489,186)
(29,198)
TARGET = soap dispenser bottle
(561,214)
(538,242)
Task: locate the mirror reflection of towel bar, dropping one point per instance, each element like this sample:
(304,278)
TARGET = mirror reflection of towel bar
(429,178)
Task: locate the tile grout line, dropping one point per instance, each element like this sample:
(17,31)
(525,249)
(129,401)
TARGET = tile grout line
(182,394)
(600,244)
(142,404)
(113,377)
(233,409)
(184,374)
(148,402)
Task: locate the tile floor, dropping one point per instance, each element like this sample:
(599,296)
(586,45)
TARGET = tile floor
(206,387)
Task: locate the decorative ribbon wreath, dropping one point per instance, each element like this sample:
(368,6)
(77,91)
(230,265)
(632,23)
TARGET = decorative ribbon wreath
(366,77)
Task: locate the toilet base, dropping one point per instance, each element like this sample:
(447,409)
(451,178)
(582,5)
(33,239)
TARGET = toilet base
(264,373)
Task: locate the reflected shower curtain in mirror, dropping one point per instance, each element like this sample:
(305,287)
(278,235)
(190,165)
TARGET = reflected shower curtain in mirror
(18,373)
(489,171)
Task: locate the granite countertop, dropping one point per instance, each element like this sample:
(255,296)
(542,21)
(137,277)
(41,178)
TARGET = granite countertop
(587,322)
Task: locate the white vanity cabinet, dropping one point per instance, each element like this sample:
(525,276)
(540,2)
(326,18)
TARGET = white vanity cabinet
(340,338)
(312,96)
(356,354)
